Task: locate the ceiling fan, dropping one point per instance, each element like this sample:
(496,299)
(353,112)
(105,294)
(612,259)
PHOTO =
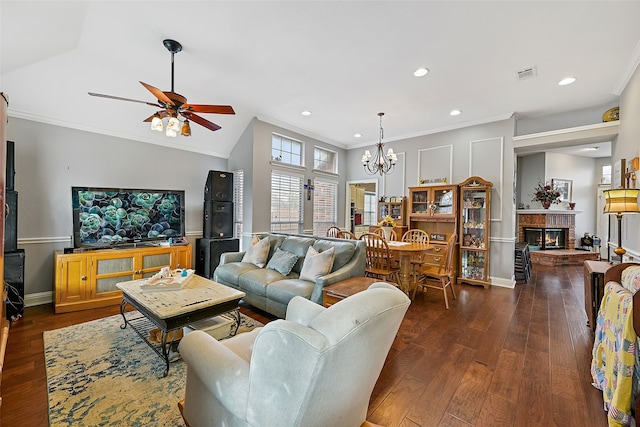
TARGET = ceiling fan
(173,105)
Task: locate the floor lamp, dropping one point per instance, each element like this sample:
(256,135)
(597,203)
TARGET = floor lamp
(621,201)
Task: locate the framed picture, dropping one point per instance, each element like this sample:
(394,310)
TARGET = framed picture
(564,186)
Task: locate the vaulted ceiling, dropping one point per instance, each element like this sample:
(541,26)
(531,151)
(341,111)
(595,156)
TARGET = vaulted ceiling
(344,61)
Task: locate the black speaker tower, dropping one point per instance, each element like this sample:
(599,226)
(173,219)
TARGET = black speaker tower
(13,257)
(209,252)
(219,187)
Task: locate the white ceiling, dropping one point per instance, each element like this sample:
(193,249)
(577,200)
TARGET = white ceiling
(344,61)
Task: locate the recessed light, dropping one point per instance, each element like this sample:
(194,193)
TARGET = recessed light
(357,135)
(421,72)
(306,113)
(567,81)
(455,112)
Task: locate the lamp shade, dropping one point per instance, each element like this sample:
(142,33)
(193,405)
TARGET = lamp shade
(621,201)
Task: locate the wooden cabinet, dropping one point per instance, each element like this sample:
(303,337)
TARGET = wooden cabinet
(357,197)
(475,223)
(433,202)
(88,279)
(396,210)
(435,210)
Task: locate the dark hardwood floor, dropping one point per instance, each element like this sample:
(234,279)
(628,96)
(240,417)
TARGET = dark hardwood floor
(498,357)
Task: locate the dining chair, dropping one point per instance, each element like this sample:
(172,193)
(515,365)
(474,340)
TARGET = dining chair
(333,231)
(379,262)
(436,270)
(344,234)
(416,235)
(392,233)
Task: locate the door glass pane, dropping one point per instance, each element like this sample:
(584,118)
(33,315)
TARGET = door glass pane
(159,260)
(109,284)
(106,266)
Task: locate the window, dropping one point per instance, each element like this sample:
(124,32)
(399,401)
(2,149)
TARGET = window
(325,160)
(606,174)
(238,197)
(286,150)
(325,202)
(370,209)
(286,203)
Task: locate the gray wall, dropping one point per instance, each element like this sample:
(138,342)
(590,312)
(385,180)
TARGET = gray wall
(52,159)
(475,150)
(627,147)
(254,156)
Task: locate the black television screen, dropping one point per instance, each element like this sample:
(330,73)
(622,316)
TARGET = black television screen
(106,217)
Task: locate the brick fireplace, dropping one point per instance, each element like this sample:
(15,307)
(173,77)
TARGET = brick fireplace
(557,222)
(548,219)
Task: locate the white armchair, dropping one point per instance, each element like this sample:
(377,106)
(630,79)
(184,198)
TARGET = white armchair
(317,367)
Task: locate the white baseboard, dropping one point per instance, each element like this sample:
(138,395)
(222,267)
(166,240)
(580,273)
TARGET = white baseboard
(503,283)
(38,299)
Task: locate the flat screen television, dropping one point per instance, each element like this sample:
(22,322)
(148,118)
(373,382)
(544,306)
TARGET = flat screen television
(107,217)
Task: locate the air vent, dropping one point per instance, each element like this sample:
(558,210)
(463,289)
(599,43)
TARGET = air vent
(527,73)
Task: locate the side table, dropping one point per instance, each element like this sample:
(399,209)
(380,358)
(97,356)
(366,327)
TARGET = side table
(341,290)
(593,289)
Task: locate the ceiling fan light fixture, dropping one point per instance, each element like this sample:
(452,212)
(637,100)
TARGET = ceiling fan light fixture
(173,124)
(171,133)
(156,123)
(186,129)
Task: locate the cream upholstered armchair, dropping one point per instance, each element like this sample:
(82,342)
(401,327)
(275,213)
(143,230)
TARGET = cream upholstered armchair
(317,367)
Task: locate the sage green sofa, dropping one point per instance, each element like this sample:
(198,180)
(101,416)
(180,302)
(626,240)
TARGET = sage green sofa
(270,290)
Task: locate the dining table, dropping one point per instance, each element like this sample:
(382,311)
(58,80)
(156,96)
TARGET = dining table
(405,252)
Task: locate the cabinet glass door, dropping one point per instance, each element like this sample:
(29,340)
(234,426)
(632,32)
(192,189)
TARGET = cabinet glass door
(384,210)
(442,202)
(474,231)
(110,271)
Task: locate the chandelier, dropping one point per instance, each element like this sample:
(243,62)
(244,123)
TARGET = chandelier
(380,163)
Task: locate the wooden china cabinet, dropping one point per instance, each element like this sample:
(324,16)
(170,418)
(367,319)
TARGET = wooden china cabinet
(475,231)
(435,210)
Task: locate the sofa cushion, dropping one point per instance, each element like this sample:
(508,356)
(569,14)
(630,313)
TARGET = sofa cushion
(257,280)
(282,261)
(317,264)
(257,253)
(344,251)
(297,245)
(231,272)
(283,290)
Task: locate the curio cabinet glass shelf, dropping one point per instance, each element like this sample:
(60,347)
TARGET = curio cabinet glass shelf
(475,222)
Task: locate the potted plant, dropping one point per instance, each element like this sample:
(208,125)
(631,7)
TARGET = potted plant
(546,194)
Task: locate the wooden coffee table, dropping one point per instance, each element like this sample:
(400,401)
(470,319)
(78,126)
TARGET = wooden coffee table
(341,290)
(168,311)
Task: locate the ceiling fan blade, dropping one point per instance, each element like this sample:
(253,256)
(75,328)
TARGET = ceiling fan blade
(214,109)
(160,96)
(161,113)
(201,121)
(123,99)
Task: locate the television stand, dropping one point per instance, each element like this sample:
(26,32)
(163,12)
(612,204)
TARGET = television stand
(87,279)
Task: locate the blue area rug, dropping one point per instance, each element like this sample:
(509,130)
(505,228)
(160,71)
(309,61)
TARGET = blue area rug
(101,375)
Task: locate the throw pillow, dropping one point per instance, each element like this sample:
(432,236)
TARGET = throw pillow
(257,254)
(282,261)
(317,264)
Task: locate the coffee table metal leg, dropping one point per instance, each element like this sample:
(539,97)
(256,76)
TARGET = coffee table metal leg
(123,304)
(165,351)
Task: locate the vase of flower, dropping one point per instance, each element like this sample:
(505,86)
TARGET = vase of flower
(546,194)
(386,224)
(387,233)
